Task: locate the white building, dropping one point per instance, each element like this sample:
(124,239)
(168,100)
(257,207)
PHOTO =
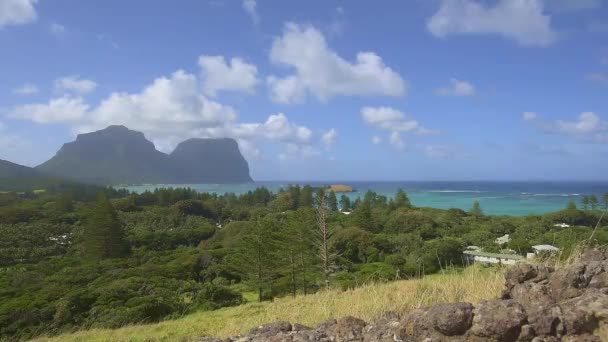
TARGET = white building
(545,248)
(503,240)
(492,258)
(561,225)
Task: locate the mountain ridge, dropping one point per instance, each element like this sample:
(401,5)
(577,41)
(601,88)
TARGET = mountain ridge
(119,155)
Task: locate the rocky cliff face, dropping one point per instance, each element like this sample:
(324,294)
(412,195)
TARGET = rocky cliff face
(538,304)
(214,160)
(118,155)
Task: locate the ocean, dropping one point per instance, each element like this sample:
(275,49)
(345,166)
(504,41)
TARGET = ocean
(495,197)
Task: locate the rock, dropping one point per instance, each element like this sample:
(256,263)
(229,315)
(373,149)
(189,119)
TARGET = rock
(499,320)
(350,329)
(271,329)
(452,319)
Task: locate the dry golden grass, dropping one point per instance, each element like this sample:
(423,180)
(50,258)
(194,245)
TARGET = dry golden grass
(367,302)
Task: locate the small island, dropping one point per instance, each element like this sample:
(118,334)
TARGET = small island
(340,188)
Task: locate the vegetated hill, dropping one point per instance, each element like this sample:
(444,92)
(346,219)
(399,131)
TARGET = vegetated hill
(15,177)
(214,160)
(367,302)
(118,155)
(8,169)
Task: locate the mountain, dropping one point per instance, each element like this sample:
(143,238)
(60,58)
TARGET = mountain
(9,170)
(118,155)
(214,160)
(15,177)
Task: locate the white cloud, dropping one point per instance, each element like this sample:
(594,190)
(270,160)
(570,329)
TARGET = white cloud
(26,89)
(17,12)
(321,72)
(389,119)
(61,109)
(520,20)
(396,140)
(74,84)
(457,88)
(394,122)
(169,110)
(276,128)
(57,29)
(329,137)
(299,152)
(218,75)
(588,127)
(250,6)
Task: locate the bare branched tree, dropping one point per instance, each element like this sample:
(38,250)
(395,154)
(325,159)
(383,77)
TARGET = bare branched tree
(324,234)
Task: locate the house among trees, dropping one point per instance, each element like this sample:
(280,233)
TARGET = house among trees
(491,258)
(503,240)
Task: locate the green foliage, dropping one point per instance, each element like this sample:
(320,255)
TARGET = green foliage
(196,251)
(476,210)
(103,233)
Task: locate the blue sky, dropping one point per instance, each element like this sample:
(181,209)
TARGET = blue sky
(319,90)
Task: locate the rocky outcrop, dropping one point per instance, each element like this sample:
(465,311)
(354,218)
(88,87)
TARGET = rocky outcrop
(537,304)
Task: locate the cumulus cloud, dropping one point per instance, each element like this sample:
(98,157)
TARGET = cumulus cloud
(299,152)
(329,137)
(521,20)
(26,89)
(457,88)
(396,140)
(168,110)
(61,109)
(394,122)
(390,119)
(321,72)
(250,6)
(276,128)
(588,127)
(17,12)
(74,84)
(376,140)
(220,75)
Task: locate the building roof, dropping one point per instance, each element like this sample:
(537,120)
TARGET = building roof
(495,255)
(503,239)
(545,248)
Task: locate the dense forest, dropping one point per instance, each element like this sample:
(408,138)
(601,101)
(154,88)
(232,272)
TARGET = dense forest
(77,257)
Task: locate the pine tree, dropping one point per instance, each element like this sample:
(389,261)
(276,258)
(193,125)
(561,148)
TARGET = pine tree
(104,236)
(606,201)
(332,201)
(324,236)
(585,202)
(344,203)
(306,196)
(476,210)
(571,205)
(593,202)
(401,200)
(258,255)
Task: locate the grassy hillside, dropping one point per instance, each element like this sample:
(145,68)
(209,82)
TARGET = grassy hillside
(367,302)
